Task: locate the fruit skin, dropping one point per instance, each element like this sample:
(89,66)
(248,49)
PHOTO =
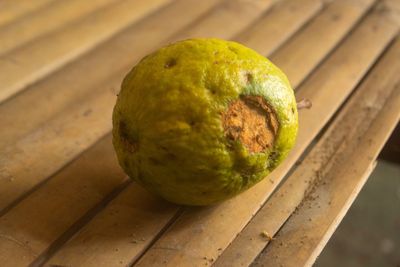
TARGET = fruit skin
(167,129)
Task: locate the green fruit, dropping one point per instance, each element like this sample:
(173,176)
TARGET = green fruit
(202,120)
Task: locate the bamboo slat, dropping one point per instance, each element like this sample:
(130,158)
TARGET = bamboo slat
(52,17)
(31,62)
(14,9)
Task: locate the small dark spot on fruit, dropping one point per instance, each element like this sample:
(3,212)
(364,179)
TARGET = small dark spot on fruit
(212,90)
(293,110)
(192,123)
(234,50)
(249,78)
(154,161)
(170,63)
(129,143)
(273,156)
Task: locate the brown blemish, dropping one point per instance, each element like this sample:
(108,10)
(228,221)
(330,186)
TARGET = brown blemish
(249,77)
(130,144)
(170,63)
(251,121)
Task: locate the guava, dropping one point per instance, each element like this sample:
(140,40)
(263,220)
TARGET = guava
(201,120)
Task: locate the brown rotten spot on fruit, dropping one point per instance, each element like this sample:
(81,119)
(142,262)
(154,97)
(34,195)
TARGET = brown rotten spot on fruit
(252,122)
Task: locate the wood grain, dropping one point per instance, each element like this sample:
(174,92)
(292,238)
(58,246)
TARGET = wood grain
(50,18)
(357,112)
(28,229)
(237,15)
(321,35)
(265,35)
(30,63)
(11,10)
(119,234)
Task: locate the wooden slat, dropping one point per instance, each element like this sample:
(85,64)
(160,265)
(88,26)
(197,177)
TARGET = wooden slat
(19,178)
(237,14)
(374,91)
(31,62)
(50,18)
(362,179)
(321,35)
(265,35)
(95,228)
(306,232)
(199,235)
(21,167)
(14,9)
(27,230)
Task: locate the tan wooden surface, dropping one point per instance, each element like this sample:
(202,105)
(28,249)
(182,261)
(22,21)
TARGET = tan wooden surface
(64,201)
(31,62)
(50,18)
(11,10)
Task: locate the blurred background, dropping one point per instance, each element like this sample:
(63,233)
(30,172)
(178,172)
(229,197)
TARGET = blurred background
(369,234)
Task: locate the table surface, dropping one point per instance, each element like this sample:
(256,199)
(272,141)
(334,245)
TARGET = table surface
(64,201)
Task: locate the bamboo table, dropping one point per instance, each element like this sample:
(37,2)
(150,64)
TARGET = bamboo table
(64,201)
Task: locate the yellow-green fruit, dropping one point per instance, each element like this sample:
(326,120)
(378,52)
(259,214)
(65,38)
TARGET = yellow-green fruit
(202,120)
